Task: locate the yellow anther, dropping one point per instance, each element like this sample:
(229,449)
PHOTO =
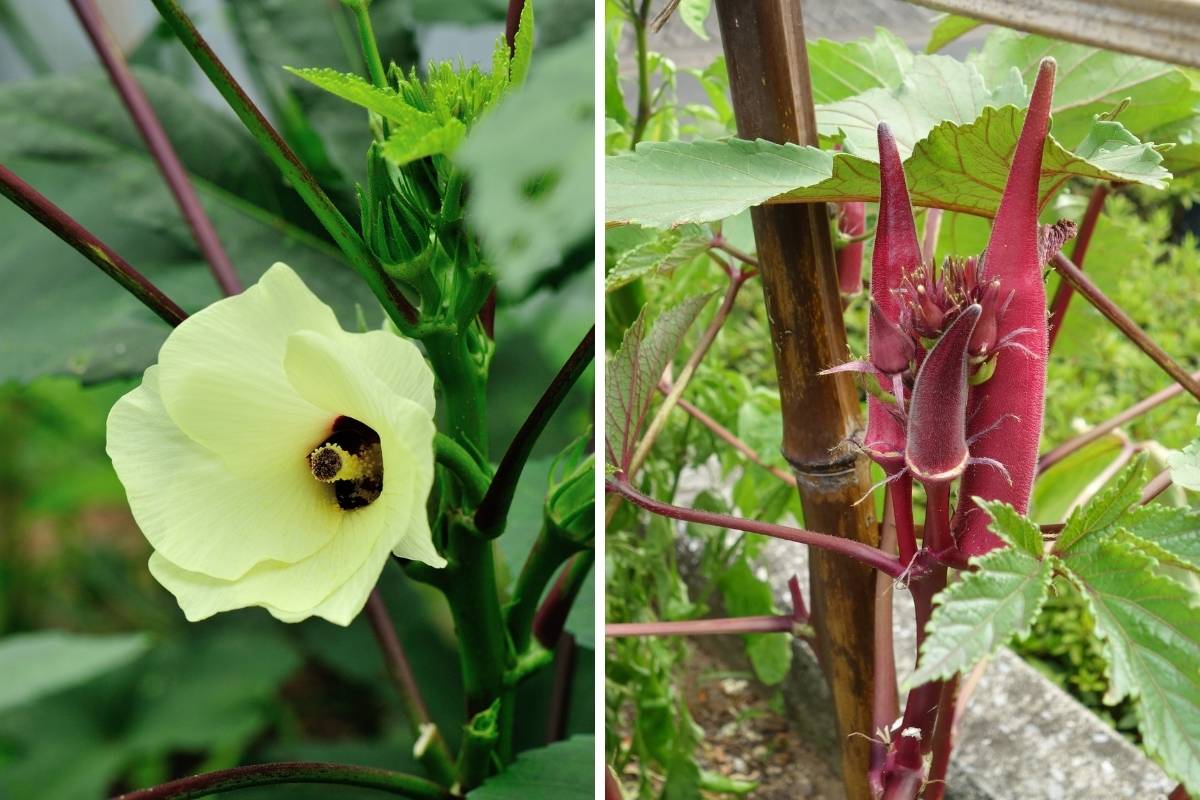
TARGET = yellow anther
(330,463)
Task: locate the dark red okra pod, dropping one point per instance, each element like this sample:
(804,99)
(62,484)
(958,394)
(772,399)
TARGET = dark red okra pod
(897,250)
(1017,387)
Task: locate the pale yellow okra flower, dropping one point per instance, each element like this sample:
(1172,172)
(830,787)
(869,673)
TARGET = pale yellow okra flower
(273,459)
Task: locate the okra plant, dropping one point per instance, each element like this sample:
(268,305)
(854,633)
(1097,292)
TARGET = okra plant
(278,457)
(957,340)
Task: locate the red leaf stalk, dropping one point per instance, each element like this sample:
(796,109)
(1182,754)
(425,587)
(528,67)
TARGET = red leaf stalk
(1018,385)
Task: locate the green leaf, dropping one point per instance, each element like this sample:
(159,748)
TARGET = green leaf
(1099,514)
(694,13)
(1014,529)
(1150,629)
(633,372)
(979,613)
(532,193)
(37,664)
(561,771)
(844,69)
(68,135)
(947,28)
(1089,81)
(1185,466)
(355,89)
(1174,532)
(670,249)
(746,595)
(670,183)
(522,46)
(1056,490)
(421,139)
(933,90)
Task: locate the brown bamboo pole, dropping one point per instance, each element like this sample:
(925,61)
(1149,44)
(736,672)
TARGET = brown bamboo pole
(772,99)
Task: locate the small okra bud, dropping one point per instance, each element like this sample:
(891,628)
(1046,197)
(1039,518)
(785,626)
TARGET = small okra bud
(936,450)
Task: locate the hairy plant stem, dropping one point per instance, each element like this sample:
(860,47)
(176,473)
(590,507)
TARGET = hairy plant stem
(859,551)
(1124,323)
(64,227)
(933,226)
(1112,423)
(737,279)
(550,551)
(943,741)
(159,145)
(347,238)
(723,433)
(228,780)
(899,495)
(493,510)
(478,744)
(551,617)
(560,692)
(884,702)
(431,750)
(772,623)
(1083,238)
(639,19)
(471,477)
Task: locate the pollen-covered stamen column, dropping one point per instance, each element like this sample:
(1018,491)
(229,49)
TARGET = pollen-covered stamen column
(772,98)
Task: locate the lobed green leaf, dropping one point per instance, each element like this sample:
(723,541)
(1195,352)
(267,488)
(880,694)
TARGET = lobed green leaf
(1098,516)
(1150,629)
(977,614)
(560,771)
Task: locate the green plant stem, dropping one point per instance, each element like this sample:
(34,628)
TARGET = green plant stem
(493,511)
(366,39)
(228,780)
(480,736)
(431,750)
(347,238)
(464,386)
(639,20)
(549,552)
(58,222)
(475,605)
(454,457)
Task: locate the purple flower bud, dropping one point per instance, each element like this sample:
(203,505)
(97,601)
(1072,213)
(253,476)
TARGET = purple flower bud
(936,451)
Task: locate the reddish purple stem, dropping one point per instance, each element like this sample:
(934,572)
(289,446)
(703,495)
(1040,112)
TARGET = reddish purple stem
(1062,295)
(157,142)
(36,205)
(859,551)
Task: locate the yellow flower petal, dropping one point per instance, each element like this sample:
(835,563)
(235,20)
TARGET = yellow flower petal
(195,511)
(222,380)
